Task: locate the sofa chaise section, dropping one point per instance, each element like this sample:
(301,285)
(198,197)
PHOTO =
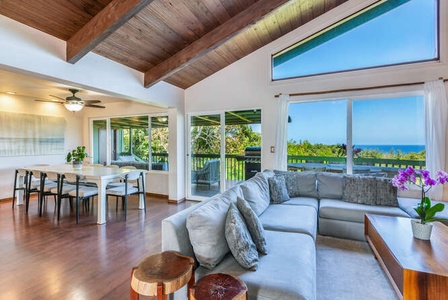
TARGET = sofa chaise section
(288,271)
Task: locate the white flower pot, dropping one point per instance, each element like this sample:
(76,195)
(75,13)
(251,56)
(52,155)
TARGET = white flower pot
(421,231)
(77,165)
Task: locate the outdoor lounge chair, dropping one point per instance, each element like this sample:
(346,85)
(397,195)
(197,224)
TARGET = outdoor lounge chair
(208,175)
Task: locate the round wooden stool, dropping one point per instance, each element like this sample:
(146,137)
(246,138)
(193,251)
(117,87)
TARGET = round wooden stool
(161,274)
(219,287)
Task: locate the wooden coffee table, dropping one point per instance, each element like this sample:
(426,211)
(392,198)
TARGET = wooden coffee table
(417,269)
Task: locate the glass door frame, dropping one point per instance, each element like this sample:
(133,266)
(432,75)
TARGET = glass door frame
(108,137)
(188,169)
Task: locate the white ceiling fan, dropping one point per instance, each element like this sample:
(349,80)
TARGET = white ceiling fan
(74,103)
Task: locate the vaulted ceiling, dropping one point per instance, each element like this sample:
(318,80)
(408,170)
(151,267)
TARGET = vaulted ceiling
(177,41)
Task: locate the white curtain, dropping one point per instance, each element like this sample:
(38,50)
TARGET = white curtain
(281,151)
(435,130)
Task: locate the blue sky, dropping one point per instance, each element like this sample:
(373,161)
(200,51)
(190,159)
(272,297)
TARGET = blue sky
(401,35)
(404,34)
(397,121)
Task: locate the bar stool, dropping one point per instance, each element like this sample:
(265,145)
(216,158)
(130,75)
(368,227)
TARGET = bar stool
(161,274)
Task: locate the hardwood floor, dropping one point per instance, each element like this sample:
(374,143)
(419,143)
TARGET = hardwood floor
(41,258)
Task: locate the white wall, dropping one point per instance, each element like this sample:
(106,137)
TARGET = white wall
(26,105)
(157,182)
(25,50)
(246,83)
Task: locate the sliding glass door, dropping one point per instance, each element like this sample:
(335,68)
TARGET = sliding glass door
(205,155)
(225,149)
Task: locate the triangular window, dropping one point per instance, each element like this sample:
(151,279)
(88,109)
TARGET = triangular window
(387,33)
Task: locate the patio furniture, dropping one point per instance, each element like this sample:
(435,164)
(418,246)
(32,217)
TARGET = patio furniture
(208,175)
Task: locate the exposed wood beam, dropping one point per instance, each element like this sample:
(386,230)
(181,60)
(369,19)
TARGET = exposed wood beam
(114,15)
(211,40)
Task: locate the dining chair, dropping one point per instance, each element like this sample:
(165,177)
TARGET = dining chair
(112,166)
(64,187)
(44,186)
(127,189)
(21,178)
(81,192)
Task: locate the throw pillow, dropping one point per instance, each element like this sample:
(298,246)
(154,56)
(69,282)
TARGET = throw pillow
(256,193)
(254,225)
(206,228)
(291,181)
(329,185)
(386,193)
(277,189)
(300,184)
(359,189)
(239,240)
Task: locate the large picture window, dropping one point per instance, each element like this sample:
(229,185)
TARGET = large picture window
(137,141)
(389,33)
(374,136)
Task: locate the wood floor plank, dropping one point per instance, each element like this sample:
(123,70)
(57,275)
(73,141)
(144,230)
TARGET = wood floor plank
(41,258)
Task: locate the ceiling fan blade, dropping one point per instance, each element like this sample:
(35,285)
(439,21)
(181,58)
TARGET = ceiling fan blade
(91,101)
(62,99)
(94,105)
(50,101)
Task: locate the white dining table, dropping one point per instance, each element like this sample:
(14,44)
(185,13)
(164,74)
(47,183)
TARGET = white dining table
(99,175)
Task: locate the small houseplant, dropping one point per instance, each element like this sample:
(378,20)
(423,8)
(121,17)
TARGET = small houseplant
(422,227)
(76,156)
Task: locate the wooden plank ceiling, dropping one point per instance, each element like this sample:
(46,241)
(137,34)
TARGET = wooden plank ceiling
(180,42)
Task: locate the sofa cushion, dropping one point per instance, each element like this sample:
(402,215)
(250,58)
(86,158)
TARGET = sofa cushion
(354,212)
(254,225)
(239,240)
(290,218)
(256,192)
(277,189)
(330,185)
(206,228)
(359,189)
(287,272)
(299,183)
(307,201)
(386,193)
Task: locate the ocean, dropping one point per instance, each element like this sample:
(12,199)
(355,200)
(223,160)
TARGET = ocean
(387,148)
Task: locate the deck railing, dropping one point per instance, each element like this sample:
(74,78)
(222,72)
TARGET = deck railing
(235,164)
(377,162)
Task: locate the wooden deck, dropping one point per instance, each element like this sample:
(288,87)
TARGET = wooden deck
(41,258)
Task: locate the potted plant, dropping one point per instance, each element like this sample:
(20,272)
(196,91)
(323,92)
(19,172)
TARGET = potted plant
(422,227)
(76,156)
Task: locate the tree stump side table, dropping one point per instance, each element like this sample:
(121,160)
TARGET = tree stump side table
(161,274)
(219,286)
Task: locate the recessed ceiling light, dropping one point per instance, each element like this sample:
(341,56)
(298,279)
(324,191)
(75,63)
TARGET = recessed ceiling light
(10,93)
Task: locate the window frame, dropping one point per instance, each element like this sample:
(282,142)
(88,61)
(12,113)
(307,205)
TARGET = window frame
(339,17)
(350,97)
(109,138)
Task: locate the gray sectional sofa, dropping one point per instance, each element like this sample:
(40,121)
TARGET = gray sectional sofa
(293,208)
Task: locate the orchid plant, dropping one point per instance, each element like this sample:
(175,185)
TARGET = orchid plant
(423,180)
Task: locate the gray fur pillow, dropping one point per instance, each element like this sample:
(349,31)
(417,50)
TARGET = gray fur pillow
(359,189)
(239,240)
